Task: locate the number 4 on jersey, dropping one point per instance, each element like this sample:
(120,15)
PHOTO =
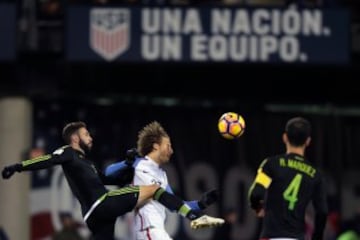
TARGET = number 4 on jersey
(291,192)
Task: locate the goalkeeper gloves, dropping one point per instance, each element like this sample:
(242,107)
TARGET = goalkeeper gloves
(208,198)
(131,156)
(8,171)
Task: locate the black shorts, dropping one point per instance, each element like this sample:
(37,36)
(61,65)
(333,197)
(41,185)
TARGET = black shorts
(115,204)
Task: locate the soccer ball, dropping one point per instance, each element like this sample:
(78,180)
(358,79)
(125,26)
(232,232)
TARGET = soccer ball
(231,125)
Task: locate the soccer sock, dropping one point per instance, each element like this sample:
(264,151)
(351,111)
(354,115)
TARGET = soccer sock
(172,202)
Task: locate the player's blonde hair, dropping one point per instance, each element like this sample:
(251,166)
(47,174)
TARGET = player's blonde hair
(150,134)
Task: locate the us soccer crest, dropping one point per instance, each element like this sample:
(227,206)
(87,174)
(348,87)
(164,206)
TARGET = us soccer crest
(109,32)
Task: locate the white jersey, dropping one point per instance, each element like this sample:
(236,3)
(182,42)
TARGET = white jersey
(152,214)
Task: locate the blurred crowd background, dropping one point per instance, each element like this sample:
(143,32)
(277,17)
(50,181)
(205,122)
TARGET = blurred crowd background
(41,90)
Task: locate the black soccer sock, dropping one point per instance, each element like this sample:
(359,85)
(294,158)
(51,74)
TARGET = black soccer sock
(172,202)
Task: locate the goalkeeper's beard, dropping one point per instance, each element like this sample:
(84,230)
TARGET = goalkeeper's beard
(85,147)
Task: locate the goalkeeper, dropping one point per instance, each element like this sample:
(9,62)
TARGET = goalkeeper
(155,147)
(101,207)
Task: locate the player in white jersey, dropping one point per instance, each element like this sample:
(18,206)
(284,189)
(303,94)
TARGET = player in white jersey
(155,146)
(150,219)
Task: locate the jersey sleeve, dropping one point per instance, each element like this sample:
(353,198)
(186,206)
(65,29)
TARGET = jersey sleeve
(118,173)
(264,173)
(59,156)
(115,169)
(262,181)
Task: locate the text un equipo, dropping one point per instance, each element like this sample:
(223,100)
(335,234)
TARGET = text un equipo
(238,35)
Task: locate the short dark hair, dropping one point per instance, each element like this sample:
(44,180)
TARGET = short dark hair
(70,129)
(150,134)
(298,129)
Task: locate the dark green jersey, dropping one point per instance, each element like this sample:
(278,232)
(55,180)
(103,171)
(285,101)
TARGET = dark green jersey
(82,176)
(287,184)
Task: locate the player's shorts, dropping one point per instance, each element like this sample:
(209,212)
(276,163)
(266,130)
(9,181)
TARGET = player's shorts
(113,204)
(152,233)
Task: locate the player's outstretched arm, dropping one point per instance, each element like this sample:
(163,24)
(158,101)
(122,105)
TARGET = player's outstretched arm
(118,173)
(207,199)
(122,173)
(31,164)
(116,170)
(61,155)
(8,171)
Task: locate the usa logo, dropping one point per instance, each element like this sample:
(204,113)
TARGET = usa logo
(109,32)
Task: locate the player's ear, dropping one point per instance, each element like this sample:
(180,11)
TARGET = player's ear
(308,141)
(156,146)
(75,138)
(285,138)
